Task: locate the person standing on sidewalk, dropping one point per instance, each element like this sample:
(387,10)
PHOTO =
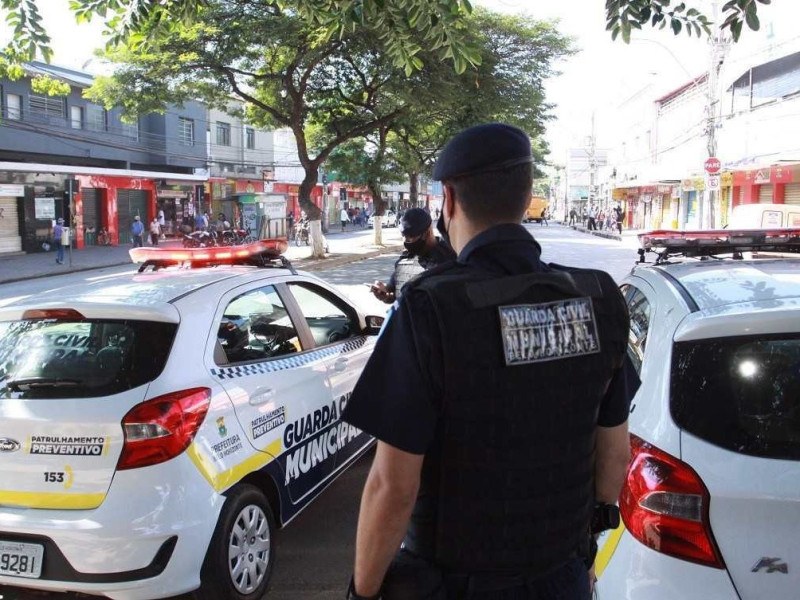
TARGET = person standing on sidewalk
(423,251)
(58,237)
(155,231)
(344,218)
(137,232)
(619,216)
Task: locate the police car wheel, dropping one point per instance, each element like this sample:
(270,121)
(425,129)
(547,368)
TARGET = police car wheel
(239,560)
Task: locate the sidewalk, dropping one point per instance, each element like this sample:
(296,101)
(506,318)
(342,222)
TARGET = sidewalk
(43,264)
(627,234)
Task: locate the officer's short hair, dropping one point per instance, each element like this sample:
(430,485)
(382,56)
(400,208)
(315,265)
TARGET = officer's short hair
(495,196)
(490,168)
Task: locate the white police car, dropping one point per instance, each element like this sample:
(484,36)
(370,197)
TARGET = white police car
(156,428)
(711,503)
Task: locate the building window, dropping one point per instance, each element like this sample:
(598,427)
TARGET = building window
(186,131)
(226,167)
(223,134)
(250,134)
(130,130)
(96,118)
(76,117)
(44,106)
(13,106)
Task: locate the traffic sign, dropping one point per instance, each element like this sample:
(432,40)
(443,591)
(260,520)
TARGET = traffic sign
(712,182)
(712,165)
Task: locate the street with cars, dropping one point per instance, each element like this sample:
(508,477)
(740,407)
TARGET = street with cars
(701,322)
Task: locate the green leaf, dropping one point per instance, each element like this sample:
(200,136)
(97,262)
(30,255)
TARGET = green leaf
(626,34)
(751,17)
(676,26)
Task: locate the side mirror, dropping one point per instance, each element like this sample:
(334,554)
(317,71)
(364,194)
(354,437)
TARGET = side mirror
(374,324)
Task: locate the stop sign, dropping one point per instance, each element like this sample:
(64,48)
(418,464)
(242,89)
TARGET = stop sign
(712,165)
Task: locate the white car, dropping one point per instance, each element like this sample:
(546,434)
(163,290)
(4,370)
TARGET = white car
(711,502)
(157,427)
(389,219)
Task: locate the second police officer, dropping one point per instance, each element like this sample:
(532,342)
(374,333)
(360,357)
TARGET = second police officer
(422,251)
(507,431)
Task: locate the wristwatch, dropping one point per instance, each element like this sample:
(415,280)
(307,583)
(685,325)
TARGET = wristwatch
(351,593)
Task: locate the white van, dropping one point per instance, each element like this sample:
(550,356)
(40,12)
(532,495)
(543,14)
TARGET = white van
(765,216)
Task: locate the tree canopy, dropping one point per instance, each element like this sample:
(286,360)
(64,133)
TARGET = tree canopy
(397,24)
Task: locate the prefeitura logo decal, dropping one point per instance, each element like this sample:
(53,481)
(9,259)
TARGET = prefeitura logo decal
(549,331)
(9,445)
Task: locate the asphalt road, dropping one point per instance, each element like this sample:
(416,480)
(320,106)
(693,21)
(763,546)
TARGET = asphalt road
(314,553)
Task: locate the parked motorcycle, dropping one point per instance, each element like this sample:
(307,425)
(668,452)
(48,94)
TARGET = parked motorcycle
(199,239)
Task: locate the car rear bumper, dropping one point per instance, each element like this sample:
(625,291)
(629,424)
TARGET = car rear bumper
(147,539)
(635,572)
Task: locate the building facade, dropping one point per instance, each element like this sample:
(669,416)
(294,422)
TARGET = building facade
(64,156)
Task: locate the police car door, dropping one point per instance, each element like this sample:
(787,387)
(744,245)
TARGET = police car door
(336,331)
(277,384)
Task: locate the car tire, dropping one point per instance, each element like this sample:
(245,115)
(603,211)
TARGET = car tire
(246,519)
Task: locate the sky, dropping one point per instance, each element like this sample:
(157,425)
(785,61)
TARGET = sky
(595,81)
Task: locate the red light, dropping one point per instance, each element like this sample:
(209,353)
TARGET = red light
(222,254)
(61,314)
(162,428)
(664,505)
(743,237)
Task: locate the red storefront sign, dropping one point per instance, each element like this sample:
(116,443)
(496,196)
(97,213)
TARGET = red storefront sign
(779,174)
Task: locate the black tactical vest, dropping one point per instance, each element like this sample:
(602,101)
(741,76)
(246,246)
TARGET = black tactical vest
(405,270)
(527,360)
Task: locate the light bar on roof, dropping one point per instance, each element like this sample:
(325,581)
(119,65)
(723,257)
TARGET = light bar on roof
(740,240)
(215,255)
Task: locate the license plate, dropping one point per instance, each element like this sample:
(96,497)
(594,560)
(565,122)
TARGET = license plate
(21,560)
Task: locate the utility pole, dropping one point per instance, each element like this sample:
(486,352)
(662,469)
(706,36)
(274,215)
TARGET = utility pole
(719,46)
(592,165)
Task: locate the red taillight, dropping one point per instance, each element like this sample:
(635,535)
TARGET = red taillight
(664,505)
(62,314)
(162,428)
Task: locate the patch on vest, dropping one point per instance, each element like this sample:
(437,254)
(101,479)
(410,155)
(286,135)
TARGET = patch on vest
(550,331)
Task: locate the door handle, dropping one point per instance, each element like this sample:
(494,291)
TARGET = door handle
(262,396)
(340,364)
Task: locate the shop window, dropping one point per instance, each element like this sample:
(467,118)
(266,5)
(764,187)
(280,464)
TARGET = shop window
(96,118)
(186,131)
(223,134)
(13,107)
(76,117)
(44,106)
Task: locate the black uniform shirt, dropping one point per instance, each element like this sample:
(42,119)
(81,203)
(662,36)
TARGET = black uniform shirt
(398,396)
(439,254)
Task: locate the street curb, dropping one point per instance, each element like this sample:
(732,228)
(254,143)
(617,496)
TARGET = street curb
(317,264)
(602,234)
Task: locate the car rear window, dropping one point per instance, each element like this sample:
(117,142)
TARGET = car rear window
(740,393)
(81,358)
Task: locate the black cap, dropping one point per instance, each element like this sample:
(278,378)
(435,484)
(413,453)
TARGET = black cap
(415,222)
(488,147)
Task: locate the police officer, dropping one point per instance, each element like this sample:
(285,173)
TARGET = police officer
(422,251)
(507,423)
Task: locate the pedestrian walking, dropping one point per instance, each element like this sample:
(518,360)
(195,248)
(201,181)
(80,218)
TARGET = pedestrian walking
(487,480)
(344,218)
(137,232)
(543,217)
(619,216)
(422,251)
(155,231)
(573,215)
(58,238)
(591,218)
(162,223)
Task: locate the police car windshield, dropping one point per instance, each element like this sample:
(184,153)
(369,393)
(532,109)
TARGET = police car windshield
(55,358)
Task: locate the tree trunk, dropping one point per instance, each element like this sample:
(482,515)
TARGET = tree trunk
(413,178)
(379,203)
(312,211)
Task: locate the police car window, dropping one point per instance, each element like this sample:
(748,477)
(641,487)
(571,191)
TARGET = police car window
(639,309)
(87,358)
(740,393)
(257,326)
(329,319)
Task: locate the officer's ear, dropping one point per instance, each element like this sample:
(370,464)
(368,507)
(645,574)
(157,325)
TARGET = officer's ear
(449,201)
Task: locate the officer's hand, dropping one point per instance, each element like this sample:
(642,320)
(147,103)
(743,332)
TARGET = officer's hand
(380,291)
